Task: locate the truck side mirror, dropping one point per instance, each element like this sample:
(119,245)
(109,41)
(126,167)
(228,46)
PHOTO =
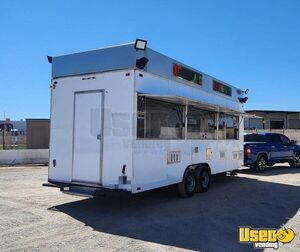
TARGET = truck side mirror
(293,142)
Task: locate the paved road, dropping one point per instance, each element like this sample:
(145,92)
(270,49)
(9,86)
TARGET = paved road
(36,218)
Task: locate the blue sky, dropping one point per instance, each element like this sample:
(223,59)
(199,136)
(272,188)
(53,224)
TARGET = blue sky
(250,44)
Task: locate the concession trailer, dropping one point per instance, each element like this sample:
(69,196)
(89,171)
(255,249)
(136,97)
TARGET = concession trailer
(132,119)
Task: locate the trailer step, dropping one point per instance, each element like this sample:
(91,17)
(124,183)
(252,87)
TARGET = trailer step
(82,191)
(55,185)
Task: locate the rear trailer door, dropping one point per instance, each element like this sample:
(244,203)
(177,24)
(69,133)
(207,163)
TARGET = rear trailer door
(87,136)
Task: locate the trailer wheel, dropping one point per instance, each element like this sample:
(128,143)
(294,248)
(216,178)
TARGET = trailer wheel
(188,186)
(203,179)
(261,163)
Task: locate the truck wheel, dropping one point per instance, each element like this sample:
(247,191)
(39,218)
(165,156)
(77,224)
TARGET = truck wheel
(296,162)
(188,186)
(261,163)
(203,179)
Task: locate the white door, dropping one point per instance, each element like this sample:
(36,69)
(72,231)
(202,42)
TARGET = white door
(87,137)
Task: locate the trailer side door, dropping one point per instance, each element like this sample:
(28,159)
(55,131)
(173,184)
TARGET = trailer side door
(87,136)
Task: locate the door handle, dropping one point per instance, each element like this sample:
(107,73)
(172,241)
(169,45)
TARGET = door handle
(273,146)
(99,137)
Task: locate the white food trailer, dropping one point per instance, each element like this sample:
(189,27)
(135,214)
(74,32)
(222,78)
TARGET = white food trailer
(132,119)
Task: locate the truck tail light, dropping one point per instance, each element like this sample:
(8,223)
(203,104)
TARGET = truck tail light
(247,151)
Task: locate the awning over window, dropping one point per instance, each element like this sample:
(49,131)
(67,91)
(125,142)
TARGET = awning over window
(198,104)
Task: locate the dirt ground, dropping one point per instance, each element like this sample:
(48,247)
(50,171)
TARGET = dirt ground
(36,218)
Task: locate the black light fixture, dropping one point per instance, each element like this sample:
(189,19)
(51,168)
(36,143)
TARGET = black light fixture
(243,99)
(140,44)
(239,91)
(49,59)
(141,63)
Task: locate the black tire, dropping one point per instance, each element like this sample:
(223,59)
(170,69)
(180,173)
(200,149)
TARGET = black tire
(203,179)
(261,163)
(188,186)
(296,162)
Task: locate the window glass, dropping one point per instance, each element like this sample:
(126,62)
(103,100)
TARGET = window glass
(253,123)
(232,127)
(164,120)
(276,124)
(254,138)
(276,139)
(141,117)
(228,127)
(222,126)
(294,123)
(200,124)
(285,140)
(160,120)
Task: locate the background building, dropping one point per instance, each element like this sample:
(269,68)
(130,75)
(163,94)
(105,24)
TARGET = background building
(285,122)
(14,138)
(19,126)
(38,133)
(273,120)
(29,134)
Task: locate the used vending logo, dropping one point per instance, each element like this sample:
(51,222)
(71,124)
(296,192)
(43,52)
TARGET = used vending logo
(266,238)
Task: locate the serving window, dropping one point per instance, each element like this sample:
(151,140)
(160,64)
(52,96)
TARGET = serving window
(165,120)
(228,127)
(159,119)
(201,124)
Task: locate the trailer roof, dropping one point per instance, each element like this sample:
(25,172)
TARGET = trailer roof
(125,56)
(115,58)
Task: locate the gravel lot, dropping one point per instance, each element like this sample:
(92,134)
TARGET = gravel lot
(36,218)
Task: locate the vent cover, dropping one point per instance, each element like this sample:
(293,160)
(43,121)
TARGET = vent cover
(173,157)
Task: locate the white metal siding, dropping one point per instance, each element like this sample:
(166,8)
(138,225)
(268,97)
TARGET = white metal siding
(119,90)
